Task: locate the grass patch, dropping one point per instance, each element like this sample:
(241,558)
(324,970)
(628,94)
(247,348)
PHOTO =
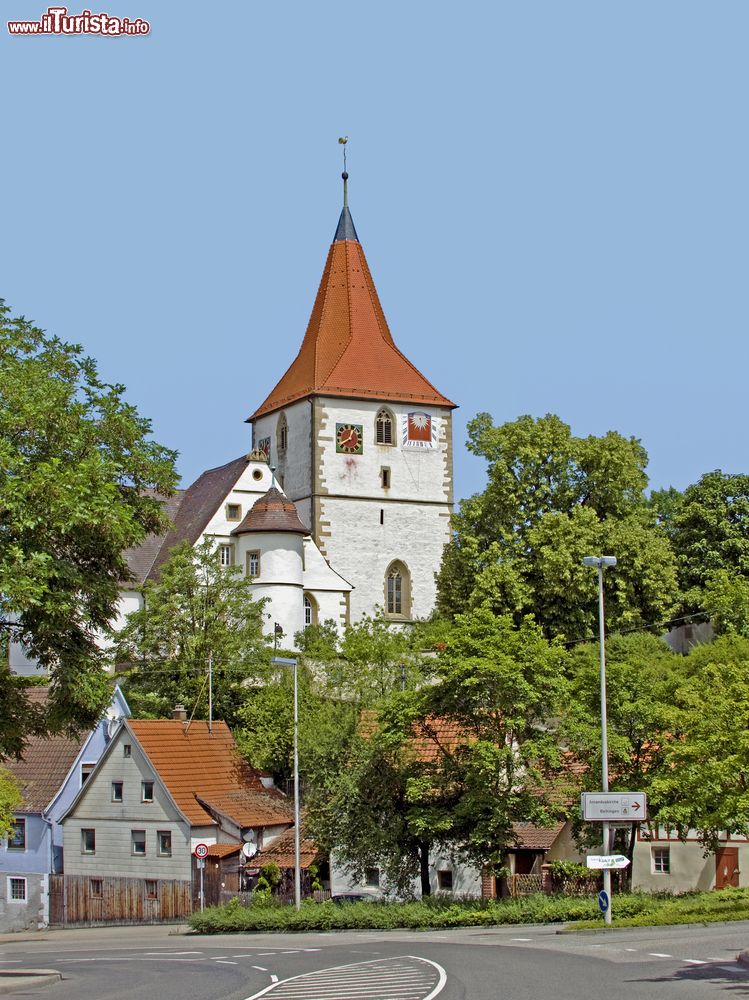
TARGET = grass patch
(691,908)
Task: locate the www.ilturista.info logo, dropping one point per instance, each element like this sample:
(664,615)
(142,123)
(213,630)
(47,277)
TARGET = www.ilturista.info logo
(57,21)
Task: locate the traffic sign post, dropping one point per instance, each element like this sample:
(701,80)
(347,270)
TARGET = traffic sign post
(607,807)
(601,862)
(201,853)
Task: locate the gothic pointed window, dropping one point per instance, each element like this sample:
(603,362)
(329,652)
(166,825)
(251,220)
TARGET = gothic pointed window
(384,427)
(282,434)
(398,591)
(310,611)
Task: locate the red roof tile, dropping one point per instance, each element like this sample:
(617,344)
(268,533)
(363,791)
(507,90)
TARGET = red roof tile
(191,762)
(348,349)
(250,808)
(272,512)
(281,852)
(536,838)
(44,766)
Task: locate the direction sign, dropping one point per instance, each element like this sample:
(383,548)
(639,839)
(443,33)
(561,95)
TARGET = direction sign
(601,861)
(607,806)
(603,901)
(201,851)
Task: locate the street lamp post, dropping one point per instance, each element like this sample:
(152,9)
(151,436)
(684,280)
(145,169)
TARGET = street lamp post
(600,563)
(288,662)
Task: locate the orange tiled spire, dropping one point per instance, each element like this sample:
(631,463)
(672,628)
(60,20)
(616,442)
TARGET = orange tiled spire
(348,350)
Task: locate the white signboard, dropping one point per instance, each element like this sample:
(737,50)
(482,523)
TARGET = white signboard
(607,806)
(600,861)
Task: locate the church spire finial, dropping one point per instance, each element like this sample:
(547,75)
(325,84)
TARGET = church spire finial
(343,140)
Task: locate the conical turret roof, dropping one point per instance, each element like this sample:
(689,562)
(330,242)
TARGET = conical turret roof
(272,512)
(348,349)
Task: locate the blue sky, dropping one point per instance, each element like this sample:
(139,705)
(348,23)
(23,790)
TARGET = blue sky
(552,197)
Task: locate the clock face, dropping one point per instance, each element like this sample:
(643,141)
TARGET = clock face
(349,439)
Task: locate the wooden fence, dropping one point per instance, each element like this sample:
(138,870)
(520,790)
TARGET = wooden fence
(81,899)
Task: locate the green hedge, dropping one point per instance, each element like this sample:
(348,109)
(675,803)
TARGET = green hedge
(435,912)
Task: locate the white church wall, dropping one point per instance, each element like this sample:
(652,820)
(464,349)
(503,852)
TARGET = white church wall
(363,526)
(293,465)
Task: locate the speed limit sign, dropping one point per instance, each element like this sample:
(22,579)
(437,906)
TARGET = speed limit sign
(201,851)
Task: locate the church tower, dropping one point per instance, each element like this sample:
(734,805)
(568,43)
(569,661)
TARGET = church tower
(362,443)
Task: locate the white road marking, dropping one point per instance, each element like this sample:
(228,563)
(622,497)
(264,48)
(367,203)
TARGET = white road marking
(317,949)
(274,979)
(224,961)
(165,953)
(658,954)
(249,954)
(407,977)
(521,939)
(630,949)
(694,961)
(260,968)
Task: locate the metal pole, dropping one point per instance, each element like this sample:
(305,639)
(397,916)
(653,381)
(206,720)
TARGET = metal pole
(604,739)
(297,835)
(210,693)
(202,894)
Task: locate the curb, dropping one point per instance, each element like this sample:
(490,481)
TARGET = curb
(743,958)
(22,979)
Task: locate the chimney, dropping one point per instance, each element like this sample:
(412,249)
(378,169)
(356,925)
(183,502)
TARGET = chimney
(179,713)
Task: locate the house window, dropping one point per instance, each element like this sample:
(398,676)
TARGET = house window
(233,512)
(96,888)
(88,841)
(661,860)
(152,888)
(384,427)
(385,477)
(17,890)
(146,791)
(382,515)
(164,838)
(86,770)
(445,880)
(372,878)
(253,564)
(127,750)
(397,590)
(282,433)
(226,555)
(17,838)
(116,791)
(138,842)
(310,611)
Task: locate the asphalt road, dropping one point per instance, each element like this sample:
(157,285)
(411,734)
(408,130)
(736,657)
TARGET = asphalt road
(517,963)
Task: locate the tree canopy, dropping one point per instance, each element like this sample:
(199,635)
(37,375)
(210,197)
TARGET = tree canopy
(197,610)
(79,476)
(551,499)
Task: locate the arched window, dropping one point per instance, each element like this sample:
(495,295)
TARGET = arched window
(282,433)
(384,423)
(398,591)
(310,611)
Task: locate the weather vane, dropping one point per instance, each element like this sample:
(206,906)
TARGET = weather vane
(343,140)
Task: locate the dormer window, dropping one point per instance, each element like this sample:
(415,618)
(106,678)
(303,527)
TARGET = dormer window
(233,512)
(384,427)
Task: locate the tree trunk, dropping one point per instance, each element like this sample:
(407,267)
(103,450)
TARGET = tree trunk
(426,887)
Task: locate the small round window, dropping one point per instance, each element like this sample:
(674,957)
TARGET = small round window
(257,474)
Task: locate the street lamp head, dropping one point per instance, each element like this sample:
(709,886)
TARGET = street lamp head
(599,562)
(283,661)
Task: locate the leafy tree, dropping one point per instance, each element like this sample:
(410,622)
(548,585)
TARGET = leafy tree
(78,474)
(500,688)
(642,675)
(552,498)
(704,784)
(455,762)
(10,800)
(196,611)
(726,597)
(710,532)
